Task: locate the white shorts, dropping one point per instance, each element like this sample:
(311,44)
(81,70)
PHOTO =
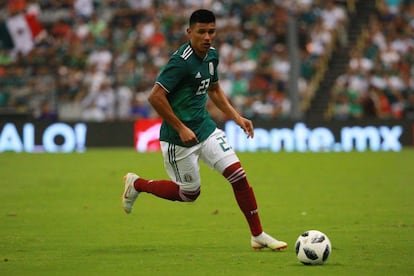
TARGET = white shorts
(182,165)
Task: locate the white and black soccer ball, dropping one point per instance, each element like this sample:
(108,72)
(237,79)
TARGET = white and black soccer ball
(313,247)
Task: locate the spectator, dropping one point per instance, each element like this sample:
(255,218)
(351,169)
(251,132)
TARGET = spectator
(83,8)
(360,63)
(124,97)
(100,105)
(139,107)
(46,113)
(342,107)
(239,90)
(101,58)
(334,18)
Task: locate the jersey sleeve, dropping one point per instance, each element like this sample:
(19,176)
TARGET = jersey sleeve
(172,74)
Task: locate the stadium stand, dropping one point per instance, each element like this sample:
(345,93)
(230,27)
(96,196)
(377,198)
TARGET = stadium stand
(379,78)
(97,60)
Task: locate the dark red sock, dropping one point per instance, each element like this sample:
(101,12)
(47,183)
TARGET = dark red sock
(245,197)
(166,189)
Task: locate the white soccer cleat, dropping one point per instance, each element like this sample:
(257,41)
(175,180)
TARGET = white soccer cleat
(264,240)
(130,194)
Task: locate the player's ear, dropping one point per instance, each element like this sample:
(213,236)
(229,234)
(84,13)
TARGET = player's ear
(188,31)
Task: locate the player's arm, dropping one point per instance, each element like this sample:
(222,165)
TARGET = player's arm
(218,97)
(159,102)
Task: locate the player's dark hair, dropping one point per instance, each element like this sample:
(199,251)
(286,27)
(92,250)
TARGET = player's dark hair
(202,16)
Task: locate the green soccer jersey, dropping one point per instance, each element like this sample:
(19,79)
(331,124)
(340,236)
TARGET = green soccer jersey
(186,78)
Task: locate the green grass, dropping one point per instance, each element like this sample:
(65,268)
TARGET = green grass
(60,214)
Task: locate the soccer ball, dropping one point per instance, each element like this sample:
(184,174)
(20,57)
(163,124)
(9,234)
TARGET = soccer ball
(313,247)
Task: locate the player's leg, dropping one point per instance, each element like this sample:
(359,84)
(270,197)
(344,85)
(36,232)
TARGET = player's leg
(181,165)
(220,156)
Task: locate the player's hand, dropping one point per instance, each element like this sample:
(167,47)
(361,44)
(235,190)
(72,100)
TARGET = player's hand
(188,137)
(247,126)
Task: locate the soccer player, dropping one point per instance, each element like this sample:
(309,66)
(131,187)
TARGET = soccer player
(188,133)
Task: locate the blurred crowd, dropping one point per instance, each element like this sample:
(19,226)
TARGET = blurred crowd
(379,82)
(98,60)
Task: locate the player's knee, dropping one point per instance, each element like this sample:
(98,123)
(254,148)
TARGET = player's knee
(236,175)
(189,196)
(189,191)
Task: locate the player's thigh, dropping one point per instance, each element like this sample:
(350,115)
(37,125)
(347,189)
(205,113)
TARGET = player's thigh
(182,166)
(217,153)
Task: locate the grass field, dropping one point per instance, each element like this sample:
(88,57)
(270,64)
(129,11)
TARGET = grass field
(60,214)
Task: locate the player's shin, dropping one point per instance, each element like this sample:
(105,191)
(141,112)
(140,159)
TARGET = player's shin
(247,203)
(166,189)
(245,197)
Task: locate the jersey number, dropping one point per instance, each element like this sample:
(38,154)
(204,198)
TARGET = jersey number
(202,89)
(223,144)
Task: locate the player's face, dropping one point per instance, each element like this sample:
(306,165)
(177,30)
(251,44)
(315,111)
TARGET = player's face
(201,37)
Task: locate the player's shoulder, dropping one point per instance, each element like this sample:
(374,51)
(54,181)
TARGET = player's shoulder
(183,53)
(213,52)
